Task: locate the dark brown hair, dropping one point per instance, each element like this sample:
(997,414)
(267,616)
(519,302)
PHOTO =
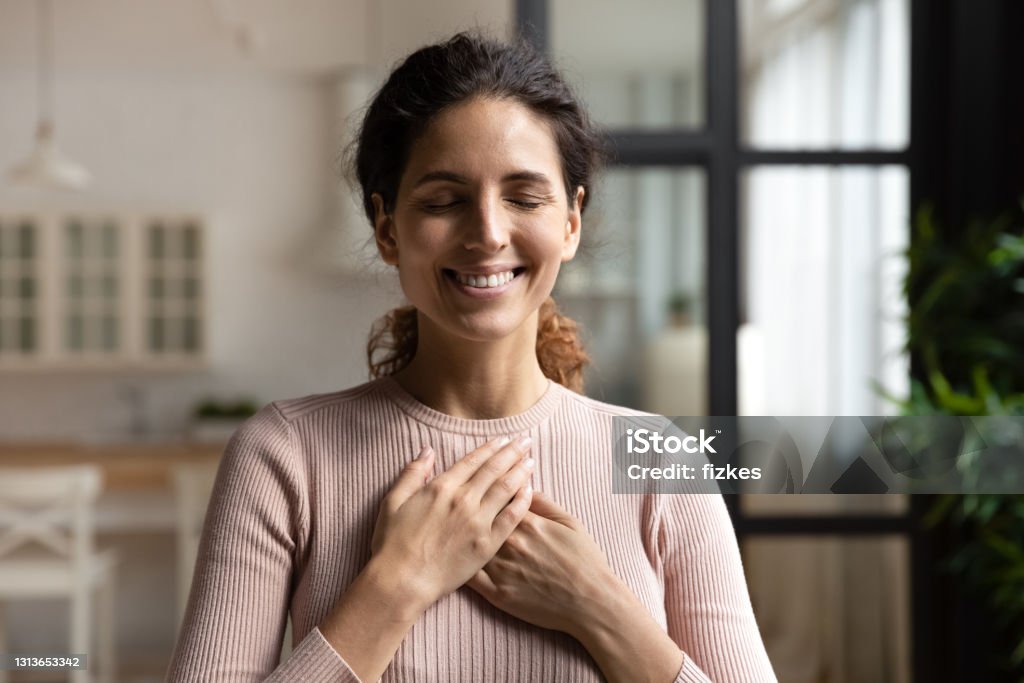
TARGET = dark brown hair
(437,77)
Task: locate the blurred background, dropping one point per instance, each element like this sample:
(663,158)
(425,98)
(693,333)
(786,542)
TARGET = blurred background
(177,249)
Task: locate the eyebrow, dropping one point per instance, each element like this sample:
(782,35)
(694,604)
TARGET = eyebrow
(532,176)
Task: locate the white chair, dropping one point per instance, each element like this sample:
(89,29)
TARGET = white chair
(47,550)
(193,486)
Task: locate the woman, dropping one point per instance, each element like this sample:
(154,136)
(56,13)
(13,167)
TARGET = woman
(401,523)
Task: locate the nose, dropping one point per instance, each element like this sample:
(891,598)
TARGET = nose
(487,229)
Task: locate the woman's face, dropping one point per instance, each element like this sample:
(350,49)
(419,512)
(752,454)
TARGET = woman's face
(481,222)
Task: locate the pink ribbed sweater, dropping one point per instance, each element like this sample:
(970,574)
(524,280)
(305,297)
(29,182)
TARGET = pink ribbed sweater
(293,510)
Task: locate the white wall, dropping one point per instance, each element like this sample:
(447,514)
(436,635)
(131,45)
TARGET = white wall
(254,154)
(253,149)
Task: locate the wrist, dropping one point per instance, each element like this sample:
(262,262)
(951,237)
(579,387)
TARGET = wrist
(370,620)
(600,613)
(399,592)
(619,633)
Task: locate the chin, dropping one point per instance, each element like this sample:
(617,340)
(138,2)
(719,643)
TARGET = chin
(486,328)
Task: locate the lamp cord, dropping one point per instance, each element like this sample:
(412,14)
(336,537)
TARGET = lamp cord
(44,45)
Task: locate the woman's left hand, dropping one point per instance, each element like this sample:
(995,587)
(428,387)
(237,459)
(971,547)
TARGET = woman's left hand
(552,574)
(549,572)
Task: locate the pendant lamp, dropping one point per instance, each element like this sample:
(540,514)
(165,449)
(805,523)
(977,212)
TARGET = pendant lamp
(46,168)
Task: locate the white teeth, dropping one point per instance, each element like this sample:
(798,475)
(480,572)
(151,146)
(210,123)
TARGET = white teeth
(485,281)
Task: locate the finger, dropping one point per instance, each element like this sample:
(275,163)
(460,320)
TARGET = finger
(414,475)
(466,466)
(506,486)
(544,506)
(501,465)
(506,521)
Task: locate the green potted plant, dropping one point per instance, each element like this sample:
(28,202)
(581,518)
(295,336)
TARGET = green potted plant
(966,330)
(216,420)
(680,308)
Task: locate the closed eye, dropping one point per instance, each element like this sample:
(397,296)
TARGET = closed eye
(440,207)
(522,203)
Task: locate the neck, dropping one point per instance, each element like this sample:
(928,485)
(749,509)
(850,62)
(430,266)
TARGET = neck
(476,380)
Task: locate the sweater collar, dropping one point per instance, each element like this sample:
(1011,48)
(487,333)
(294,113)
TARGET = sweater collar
(512,424)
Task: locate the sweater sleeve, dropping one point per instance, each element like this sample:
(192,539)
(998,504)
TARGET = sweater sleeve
(707,604)
(238,605)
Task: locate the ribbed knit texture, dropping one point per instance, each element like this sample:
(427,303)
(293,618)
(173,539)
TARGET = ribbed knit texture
(293,511)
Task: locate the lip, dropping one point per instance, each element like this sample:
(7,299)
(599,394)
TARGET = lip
(483,293)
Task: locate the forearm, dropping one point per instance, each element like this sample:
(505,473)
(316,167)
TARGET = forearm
(625,641)
(371,619)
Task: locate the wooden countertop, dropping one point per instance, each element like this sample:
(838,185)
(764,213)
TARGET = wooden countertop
(126,466)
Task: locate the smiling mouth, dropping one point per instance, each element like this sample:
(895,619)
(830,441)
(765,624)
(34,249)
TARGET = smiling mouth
(491,281)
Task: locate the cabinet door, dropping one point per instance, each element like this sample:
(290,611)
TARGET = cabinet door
(91,298)
(173,302)
(20,308)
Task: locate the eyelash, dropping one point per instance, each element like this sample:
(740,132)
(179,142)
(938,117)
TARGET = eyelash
(439,208)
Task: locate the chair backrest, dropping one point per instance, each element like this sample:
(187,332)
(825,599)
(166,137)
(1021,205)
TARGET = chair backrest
(193,486)
(49,509)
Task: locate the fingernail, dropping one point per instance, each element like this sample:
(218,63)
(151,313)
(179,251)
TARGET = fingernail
(529,489)
(525,442)
(424,453)
(528,463)
(503,441)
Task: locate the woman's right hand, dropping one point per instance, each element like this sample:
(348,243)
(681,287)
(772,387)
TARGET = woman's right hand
(438,533)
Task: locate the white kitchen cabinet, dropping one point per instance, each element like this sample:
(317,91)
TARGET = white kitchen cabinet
(101,289)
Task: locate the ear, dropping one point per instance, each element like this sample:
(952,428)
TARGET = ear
(573,225)
(384,231)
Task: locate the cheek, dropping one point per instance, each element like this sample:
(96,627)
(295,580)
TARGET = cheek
(546,242)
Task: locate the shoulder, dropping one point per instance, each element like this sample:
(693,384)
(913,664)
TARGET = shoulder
(272,430)
(592,405)
(291,410)
(585,407)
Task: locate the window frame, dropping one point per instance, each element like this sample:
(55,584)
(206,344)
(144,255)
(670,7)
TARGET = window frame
(718,149)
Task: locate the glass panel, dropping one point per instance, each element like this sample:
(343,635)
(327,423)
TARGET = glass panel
(76,333)
(191,288)
(156,334)
(822,304)
(637,64)
(109,333)
(75,240)
(832,609)
(191,242)
(825,73)
(156,242)
(191,341)
(638,284)
(27,288)
(75,287)
(27,329)
(173,334)
(109,241)
(26,241)
(109,286)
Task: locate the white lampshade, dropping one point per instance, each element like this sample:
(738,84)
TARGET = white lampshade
(46,168)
